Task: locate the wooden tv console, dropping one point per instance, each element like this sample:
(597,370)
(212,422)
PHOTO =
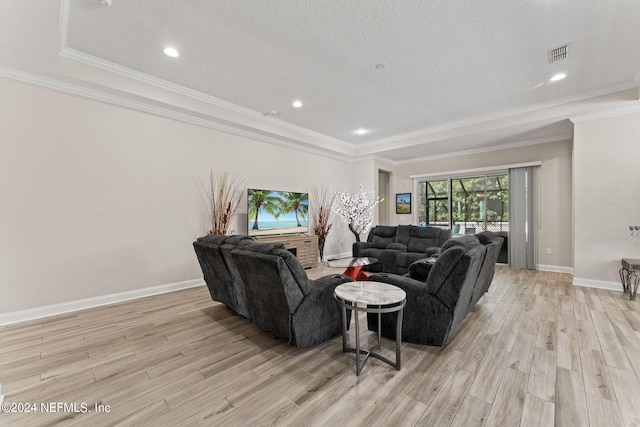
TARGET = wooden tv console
(305,248)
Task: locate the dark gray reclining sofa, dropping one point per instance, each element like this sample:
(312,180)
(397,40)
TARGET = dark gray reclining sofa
(397,247)
(265,283)
(220,272)
(458,278)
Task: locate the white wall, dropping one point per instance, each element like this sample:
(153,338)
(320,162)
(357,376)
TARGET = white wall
(555,222)
(98,199)
(607,201)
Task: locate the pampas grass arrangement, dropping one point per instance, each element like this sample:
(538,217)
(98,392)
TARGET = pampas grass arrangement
(320,210)
(221,195)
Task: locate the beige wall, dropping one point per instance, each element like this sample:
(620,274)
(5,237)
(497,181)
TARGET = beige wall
(555,223)
(98,199)
(607,181)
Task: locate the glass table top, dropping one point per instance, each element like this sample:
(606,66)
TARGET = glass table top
(351,262)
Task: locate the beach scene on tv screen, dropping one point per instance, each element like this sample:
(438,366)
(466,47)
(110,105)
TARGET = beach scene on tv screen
(277,212)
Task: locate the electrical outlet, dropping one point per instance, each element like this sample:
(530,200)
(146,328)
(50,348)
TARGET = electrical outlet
(549,251)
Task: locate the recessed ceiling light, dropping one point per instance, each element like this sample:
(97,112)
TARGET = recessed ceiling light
(169,51)
(297,103)
(381,66)
(361,131)
(558,76)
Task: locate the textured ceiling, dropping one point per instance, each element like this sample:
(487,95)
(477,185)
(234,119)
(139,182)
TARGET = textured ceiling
(456,71)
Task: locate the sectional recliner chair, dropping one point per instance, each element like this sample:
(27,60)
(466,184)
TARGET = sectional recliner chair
(457,279)
(266,283)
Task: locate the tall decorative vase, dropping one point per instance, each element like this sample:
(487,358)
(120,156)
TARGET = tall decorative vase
(321,247)
(320,214)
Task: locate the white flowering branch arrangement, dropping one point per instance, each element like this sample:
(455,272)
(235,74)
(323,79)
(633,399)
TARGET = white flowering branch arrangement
(356,210)
(221,196)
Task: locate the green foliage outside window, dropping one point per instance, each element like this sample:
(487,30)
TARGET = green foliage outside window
(481,201)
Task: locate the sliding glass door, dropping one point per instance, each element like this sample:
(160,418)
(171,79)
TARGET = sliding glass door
(434,203)
(467,205)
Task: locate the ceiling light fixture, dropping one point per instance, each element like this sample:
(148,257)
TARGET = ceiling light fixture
(297,103)
(361,131)
(558,77)
(169,51)
(381,66)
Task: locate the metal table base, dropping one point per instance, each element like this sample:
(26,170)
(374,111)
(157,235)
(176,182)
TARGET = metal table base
(630,268)
(398,307)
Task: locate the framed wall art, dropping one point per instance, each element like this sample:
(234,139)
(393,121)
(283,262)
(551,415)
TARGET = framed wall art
(403,203)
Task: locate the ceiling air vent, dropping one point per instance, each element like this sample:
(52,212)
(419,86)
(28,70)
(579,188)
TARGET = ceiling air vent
(558,54)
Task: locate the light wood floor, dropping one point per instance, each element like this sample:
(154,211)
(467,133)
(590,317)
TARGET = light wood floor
(536,351)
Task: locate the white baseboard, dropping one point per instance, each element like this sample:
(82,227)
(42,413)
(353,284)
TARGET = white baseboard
(600,284)
(554,268)
(66,307)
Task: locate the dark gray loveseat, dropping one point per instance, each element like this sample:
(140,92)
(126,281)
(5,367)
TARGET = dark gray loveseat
(271,288)
(458,278)
(397,247)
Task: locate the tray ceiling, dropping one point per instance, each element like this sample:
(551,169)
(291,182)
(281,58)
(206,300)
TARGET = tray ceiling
(425,78)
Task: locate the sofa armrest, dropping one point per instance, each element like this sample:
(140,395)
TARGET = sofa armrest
(318,297)
(398,247)
(405,283)
(420,269)
(426,319)
(417,295)
(357,246)
(330,281)
(322,288)
(389,259)
(434,250)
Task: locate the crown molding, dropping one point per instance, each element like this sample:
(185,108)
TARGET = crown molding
(482,170)
(382,161)
(210,123)
(485,149)
(63,32)
(342,150)
(500,116)
(614,112)
(164,112)
(111,67)
(65,51)
(392,162)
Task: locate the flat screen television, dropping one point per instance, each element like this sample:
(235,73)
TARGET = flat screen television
(277,212)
